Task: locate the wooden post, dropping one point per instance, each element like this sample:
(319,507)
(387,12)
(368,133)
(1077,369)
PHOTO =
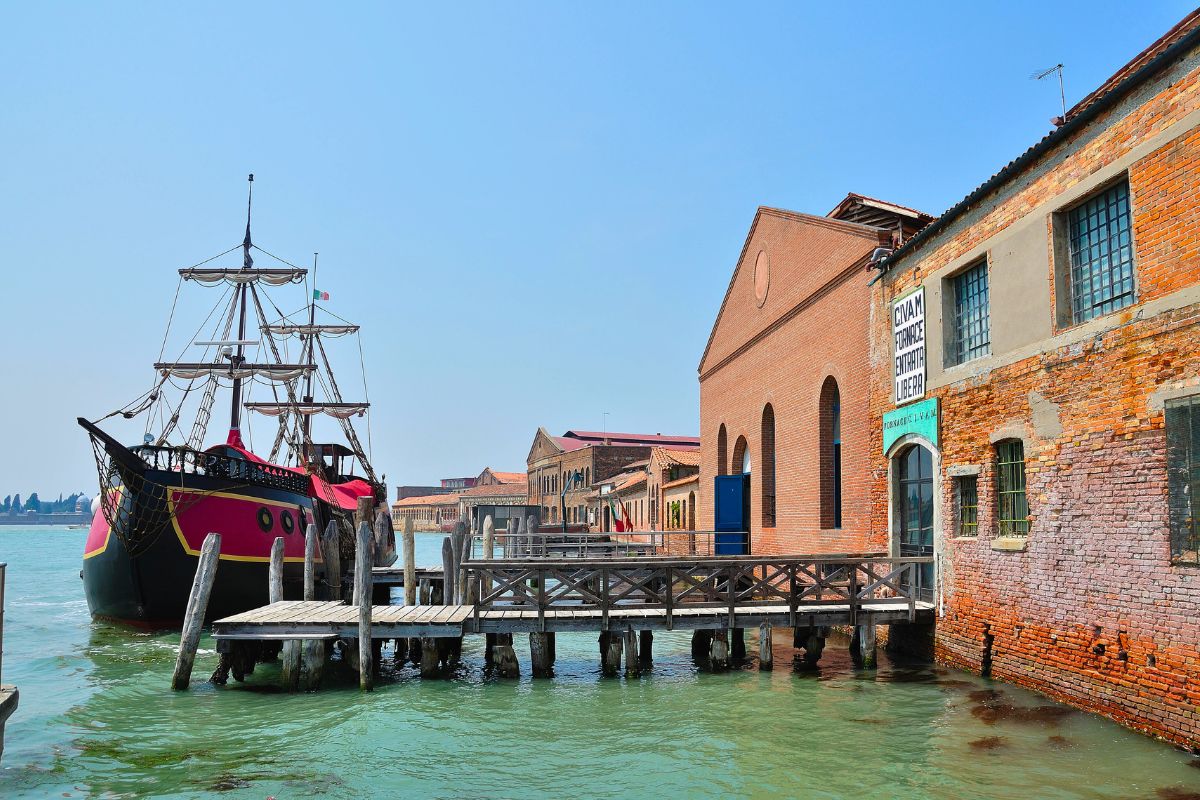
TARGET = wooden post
(701,642)
(866,646)
(385,537)
(718,650)
(633,665)
(314,649)
(331,553)
(814,644)
(197,606)
(362,586)
(737,645)
(646,650)
(506,658)
(610,652)
(447,572)
(409,542)
(429,657)
(541,654)
(362,512)
(766,658)
(275,572)
(489,545)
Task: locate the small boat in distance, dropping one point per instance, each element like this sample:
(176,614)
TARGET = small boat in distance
(160,498)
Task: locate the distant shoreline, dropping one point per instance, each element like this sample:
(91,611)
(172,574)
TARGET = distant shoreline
(16,520)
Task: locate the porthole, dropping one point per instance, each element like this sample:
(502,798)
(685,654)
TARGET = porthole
(286,522)
(265,520)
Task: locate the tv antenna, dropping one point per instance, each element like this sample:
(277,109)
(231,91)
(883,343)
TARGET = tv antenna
(1046,73)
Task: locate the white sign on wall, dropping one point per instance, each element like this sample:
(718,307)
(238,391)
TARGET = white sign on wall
(908,337)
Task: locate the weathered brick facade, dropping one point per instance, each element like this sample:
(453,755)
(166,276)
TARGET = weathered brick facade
(793,324)
(1088,607)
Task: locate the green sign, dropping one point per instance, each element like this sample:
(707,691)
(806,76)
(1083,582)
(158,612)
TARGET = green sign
(919,418)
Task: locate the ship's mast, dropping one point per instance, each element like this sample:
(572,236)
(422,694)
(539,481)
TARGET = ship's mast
(312,318)
(235,411)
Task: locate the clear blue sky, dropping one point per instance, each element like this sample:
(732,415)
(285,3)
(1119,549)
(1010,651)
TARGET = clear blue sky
(533,209)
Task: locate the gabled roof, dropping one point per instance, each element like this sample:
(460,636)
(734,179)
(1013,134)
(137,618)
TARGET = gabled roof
(868,233)
(861,199)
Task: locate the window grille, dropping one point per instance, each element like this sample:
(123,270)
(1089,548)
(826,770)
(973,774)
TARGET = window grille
(972,337)
(968,505)
(1101,248)
(1183,478)
(1010,488)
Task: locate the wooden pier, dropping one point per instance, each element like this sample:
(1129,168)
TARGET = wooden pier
(625,599)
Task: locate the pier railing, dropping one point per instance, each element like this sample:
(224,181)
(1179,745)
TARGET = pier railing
(672,584)
(595,544)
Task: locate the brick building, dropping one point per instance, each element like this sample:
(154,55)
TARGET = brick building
(437,512)
(1035,405)
(783,378)
(579,461)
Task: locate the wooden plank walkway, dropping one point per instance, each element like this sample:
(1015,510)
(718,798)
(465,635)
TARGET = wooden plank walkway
(295,619)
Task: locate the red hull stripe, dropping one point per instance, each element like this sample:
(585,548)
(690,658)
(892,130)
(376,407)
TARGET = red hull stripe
(236,517)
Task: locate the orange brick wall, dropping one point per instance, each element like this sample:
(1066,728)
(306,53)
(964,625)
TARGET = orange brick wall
(1092,612)
(819,266)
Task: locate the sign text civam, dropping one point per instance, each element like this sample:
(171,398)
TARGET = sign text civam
(908,336)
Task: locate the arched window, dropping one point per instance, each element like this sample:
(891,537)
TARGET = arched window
(741,456)
(767,466)
(587,476)
(691,520)
(829,419)
(722,451)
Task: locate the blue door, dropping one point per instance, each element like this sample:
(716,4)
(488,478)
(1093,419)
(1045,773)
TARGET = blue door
(732,514)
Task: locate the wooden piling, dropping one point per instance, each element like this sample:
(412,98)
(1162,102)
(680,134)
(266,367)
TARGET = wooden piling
(428,657)
(314,649)
(610,652)
(541,654)
(409,544)
(718,650)
(489,546)
(646,647)
(633,665)
(866,646)
(766,658)
(737,645)
(331,554)
(362,511)
(362,584)
(701,643)
(291,652)
(447,571)
(505,658)
(197,606)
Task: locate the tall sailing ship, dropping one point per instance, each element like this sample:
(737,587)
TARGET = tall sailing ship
(159,499)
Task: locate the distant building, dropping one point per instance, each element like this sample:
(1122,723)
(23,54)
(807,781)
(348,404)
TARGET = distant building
(578,461)
(500,495)
(404,492)
(454,484)
(437,512)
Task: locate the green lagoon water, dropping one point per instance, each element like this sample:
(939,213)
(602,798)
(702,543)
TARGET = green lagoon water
(98,719)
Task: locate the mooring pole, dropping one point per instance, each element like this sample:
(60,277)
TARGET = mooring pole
(193,620)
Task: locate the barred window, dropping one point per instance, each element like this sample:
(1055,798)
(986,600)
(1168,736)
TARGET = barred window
(968,505)
(1183,478)
(1101,249)
(972,338)
(1013,505)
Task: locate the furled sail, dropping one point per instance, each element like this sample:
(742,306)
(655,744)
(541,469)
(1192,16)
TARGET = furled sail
(339,410)
(275,372)
(309,330)
(271,277)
